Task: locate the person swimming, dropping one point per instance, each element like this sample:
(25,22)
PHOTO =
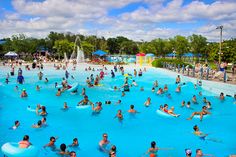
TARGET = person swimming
(112,152)
(43,111)
(201,113)
(51,143)
(23,94)
(25,142)
(177,80)
(194,99)
(119,115)
(153,150)
(58,92)
(165,88)
(132,110)
(98,108)
(37,88)
(63,150)
(16,125)
(38,125)
(85,101)
(171,112)
(104,143)
(65,107)
(75,143)
(147,102)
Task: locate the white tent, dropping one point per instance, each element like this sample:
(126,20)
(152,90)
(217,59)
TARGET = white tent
(11,54)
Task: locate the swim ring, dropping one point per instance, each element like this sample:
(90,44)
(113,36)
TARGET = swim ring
(82,106)
(59,86)
(30,109)
(128,75)
(99,85)
(12,150)
(74,87)
(161,113)
(198,116)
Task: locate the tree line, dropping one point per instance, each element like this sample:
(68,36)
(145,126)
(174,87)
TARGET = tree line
(60,43)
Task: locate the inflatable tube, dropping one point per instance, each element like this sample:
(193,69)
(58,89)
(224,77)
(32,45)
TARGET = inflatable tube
(74,87)
(59,86)
(82,106)
(13,150)
(198,116)
(128,75)
(161,113)
(30,109)
(99,85)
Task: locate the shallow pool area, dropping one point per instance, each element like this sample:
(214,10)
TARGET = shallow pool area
(134,134)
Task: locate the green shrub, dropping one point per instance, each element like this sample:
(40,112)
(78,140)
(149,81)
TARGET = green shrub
(159,62)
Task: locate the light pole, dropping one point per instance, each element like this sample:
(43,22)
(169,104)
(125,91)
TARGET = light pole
(221,28)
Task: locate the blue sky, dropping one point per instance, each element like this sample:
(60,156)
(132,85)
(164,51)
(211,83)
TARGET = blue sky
(135,19)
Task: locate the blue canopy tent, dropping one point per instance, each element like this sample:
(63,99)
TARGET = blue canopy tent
(189,54)
(170,55)
(99,53)
(150,55)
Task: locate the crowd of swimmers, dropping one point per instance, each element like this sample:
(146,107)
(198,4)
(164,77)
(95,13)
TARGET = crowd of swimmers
(104,144)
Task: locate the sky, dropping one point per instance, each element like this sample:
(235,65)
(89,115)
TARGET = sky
(135,19)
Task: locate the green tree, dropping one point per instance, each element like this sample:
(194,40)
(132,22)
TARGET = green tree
(181,45)
(63,46)
(198,44)
(87,48)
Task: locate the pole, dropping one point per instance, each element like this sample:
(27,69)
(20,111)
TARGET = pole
(221,28)
(220,44)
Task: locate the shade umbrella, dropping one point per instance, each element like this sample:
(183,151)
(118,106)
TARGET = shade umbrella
(140,54)
(99,53)
(11,54)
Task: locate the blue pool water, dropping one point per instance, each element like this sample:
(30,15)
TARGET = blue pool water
(133,136)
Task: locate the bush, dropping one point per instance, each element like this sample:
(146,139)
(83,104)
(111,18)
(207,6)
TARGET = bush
(159,62)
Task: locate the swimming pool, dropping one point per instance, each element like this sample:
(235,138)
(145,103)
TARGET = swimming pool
(133,136)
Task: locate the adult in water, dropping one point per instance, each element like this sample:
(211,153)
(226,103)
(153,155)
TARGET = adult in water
(38,125)
(20,79)
(119,115)
(126,87)
(171,112)
(25,142)
(104,143)
(152,151)
(43,111)
(85,101)
(40,75)
(23,94)
(201,113)
(147,102)
(194,99)
(63,150)
(112,152)
(16,125)
(98,108)
(199,153)
(75,143)
(202,135)
(132,110)
(177,80)
(51,143)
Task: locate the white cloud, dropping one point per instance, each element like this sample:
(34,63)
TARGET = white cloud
(39,18)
